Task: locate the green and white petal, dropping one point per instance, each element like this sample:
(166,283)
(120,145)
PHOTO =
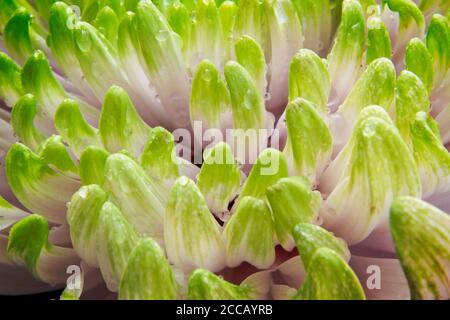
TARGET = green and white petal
(141,199)
(411,97)
(286,39)
(315,18)
(329,277)
(141,89)
(7,9)
(38,79)
(246,102)
(205,285)
(180,20)
(20,37)
(107,22)
(115,240)
(292,202)
(159,159)
(419,61)
(345,59)
(309,140)
(192,236)
(55,153)
(438,31)
(206,34)
(250,55)
(422,240)
(10,82)
(252,125)
(309,79)
(164,62)
(378,40)
(9,214)
(376,86)
(92,165)
(249,234)
(219,178)
(251,21)
(62,21)
(210,99)
(23,116)
(73,127)
(228,12)
(331,175)
(270,167)
(148,275)
(83,212)
(309,238)
(97,59)
(120,126)
(38,187)
(28,246)
(432,158)
(411,23)
(374,167)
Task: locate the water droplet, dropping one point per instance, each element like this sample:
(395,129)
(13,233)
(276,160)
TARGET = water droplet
(184,181)
(368,131)
(84,41)
(207,75)
(162,35)
(356,26)
(82,193)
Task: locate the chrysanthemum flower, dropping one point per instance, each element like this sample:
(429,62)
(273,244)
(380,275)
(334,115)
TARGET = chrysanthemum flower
(284,149)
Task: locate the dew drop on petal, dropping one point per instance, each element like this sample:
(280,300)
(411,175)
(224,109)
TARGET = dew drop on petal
(183,182)
(162,35)
(207,76)
(84,41)
(368,131)
(82,193)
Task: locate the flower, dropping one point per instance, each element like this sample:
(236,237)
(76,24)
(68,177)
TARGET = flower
(225,149)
